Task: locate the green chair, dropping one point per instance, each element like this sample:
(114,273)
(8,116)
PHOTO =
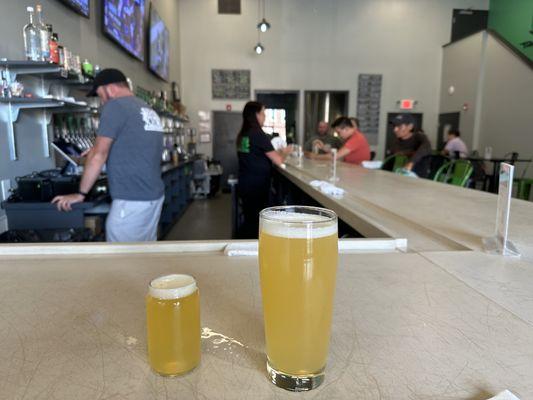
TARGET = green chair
(455,172)
(524,188)
(398,161)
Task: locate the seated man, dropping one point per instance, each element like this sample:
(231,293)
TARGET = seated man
(323,136)
(414,145)
(455,145)
(355,149)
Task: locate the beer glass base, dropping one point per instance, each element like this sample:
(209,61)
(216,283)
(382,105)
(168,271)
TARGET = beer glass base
(294,383)
(174,375)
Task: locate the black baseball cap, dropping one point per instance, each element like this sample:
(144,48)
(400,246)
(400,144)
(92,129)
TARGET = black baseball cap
(402,119)
(107,77)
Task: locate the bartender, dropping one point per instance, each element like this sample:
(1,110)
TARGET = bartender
(130,141)
(256,156)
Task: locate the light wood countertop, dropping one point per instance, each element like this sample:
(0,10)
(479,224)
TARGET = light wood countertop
(73,327)
(433,216)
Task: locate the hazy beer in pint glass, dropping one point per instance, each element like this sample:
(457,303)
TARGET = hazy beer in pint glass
(298,251)
(173,324)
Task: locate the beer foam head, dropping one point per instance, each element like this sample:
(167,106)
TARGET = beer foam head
(172,286)
(296,225)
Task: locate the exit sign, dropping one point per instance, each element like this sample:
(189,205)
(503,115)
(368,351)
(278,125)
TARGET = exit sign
(407,104)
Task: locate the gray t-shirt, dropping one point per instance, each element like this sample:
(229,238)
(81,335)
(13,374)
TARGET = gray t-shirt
(134,162)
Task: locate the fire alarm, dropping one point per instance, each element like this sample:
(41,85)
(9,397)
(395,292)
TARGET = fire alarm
(465,107)
(228,107)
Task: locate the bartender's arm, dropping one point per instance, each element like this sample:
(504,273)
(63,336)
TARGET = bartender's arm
(93,166)
(278,157)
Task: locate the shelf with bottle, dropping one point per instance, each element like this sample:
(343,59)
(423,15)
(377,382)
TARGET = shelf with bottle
(41,45)
(49,72)
(160,104)
(17,104)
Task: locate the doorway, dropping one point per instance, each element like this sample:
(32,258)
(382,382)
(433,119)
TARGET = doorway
(226,126)
(468,22)
(323,105)
(391,137)
(447,122)
(281,112)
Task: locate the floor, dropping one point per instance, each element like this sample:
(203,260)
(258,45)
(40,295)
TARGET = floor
(208,219)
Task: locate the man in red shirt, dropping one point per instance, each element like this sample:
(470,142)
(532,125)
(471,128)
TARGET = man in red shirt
(355,149)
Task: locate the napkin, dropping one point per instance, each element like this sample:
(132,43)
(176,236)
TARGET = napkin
(372,164)
(505,395)
(328,188)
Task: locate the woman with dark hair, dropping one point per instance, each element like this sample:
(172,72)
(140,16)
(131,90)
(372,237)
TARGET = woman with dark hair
(256,155)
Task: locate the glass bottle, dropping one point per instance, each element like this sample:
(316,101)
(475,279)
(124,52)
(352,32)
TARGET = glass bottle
(54,44)
(32,42)
(44,37)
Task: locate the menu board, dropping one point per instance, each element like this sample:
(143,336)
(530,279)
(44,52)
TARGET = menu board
(231,83)
(124,23)
(368,104)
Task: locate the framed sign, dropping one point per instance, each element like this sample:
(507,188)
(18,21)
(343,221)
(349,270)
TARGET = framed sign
(368,105)
(231,84)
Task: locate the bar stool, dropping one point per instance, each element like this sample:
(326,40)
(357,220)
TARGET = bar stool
(396,161)
(455,172)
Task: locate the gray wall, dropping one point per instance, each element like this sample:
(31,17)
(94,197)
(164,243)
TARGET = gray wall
(498,87)
(84,37)
(461,66)
(507,107)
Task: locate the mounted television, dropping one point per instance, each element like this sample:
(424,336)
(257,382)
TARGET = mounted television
(159,50)
(123,22)
(82,7)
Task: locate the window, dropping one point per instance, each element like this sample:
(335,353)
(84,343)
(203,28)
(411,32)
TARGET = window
(275,121)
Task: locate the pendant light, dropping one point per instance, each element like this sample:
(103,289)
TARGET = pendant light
(263,24)
(259,48)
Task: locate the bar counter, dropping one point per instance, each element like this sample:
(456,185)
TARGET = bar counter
(433,216)
(405,325)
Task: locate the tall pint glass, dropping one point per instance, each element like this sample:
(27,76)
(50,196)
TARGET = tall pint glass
(173,324)
(298,250)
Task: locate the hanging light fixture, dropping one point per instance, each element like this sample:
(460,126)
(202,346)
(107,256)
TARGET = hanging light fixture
(263,24)
(259,48)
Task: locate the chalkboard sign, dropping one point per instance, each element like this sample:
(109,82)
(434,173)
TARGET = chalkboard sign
(368,103)
(231,84)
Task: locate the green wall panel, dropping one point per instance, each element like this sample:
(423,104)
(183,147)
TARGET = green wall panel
(513,20)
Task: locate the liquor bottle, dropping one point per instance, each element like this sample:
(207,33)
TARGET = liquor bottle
(54,45)
(32,41)
(44,37)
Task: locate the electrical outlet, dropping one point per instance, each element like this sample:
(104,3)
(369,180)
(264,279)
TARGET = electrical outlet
(5,186)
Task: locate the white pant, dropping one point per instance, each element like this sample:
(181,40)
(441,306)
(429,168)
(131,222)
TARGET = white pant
(133,221)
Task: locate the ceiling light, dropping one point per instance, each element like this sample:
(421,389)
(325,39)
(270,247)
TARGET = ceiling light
(263,26)
(259,48)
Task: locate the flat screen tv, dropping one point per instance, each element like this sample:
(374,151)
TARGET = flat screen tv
(123,22)
(159,46)
(82,7)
